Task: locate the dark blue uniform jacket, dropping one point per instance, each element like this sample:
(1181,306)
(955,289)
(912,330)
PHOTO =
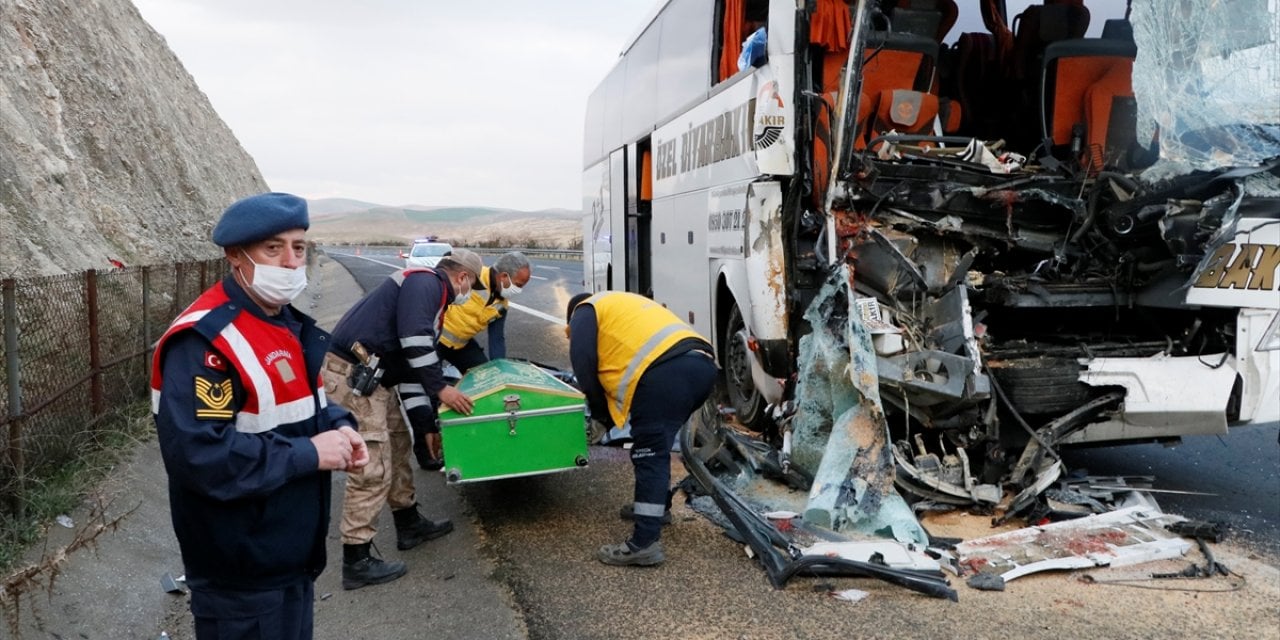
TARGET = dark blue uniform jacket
(250,510)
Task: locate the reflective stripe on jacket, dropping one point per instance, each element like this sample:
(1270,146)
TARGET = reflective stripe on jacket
(465,320)
(632,332)
(267,357)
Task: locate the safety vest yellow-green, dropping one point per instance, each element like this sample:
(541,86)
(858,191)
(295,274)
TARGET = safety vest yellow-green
(463,321)
(632,331)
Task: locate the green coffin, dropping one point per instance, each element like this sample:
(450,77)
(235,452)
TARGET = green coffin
(525,422)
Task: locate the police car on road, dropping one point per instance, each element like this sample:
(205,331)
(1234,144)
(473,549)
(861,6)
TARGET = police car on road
(426,253)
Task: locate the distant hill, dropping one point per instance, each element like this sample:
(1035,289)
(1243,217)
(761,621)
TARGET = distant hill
(336,220)
(327,206)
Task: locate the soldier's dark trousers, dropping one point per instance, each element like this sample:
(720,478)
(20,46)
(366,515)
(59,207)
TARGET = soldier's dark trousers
(667,394)
(280,614)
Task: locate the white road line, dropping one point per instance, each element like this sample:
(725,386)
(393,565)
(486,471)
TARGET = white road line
(537,314)
(537,277)
(393,266)
(547,266)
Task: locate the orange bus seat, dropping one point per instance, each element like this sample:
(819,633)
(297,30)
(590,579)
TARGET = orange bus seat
(892,61)
(1071,69)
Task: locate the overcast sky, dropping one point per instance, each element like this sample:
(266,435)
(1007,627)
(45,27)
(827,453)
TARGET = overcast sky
(397,102)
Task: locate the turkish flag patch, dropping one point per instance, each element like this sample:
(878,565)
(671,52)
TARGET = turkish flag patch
(214,361)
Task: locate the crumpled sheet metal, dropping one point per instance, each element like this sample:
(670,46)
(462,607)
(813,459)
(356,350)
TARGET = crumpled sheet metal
(1127,536)
(839,431)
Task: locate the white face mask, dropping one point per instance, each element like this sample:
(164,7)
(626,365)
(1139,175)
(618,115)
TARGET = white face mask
(511,289)
(276,286)
(462,296)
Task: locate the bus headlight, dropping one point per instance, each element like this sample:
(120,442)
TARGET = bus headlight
(1271,337)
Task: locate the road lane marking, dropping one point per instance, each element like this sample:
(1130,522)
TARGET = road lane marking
(397,267)
(537,314)
(537,277)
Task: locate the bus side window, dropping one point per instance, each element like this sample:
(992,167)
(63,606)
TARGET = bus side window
(739,19)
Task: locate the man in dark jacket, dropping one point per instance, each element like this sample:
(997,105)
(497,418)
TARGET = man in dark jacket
(247,435)
(399,323)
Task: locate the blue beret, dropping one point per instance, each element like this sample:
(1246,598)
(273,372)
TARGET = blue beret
(260,217)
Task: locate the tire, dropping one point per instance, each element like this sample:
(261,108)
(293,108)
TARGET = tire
(747,402)
(1042,386)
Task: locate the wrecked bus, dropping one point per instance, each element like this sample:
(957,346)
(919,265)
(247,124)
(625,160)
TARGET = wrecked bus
(1057,222)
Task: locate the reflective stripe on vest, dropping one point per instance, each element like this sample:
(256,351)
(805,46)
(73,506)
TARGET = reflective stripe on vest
(632,332)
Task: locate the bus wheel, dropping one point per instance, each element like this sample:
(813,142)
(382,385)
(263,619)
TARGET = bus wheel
(746,400)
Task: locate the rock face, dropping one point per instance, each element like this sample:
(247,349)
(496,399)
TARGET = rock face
(108,149)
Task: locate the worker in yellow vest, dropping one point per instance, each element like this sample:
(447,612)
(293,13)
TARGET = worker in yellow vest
(485,309)
(634,359)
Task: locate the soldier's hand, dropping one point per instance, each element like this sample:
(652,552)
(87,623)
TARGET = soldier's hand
(456,400)
(334,450)
(359,452)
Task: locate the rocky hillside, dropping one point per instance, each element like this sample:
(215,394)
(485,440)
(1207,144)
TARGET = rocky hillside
(108,149)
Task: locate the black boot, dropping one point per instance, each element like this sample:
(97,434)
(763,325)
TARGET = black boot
(360,569)
(412,529)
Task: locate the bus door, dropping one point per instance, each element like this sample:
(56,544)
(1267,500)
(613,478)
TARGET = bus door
(639,220)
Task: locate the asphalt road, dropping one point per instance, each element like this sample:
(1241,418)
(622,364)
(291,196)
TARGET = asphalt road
(540,534)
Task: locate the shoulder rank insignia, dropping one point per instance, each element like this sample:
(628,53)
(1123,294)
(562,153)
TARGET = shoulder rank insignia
(213,399)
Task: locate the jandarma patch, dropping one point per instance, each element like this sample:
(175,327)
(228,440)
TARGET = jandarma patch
(213,399)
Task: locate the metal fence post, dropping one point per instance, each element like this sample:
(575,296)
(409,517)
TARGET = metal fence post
(9,288)
(8,291)
(95,350)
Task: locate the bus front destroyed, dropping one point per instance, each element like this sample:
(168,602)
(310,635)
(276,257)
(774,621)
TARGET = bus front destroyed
(930,258)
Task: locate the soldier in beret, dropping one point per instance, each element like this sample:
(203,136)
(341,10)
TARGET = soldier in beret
(247,435)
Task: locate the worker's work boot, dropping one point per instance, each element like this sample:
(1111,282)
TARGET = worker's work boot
(624,555)
(361,569)
(412,529)
(628,512)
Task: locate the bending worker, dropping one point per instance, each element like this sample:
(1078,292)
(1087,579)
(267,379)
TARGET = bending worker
(634,358)
(486,308)
(398,323)
(247,435)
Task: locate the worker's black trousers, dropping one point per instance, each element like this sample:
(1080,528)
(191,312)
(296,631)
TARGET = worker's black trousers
(667,394)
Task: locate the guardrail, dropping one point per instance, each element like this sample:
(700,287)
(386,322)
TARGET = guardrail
(549,254)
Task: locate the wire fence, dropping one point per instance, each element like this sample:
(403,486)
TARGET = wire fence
(76,350)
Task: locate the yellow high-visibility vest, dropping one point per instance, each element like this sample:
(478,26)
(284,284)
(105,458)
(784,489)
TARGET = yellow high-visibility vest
(463,321)
(632,331)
